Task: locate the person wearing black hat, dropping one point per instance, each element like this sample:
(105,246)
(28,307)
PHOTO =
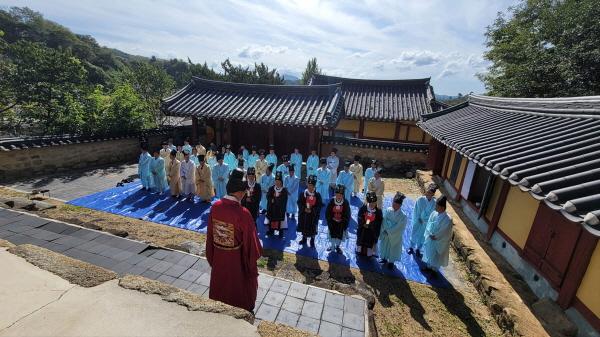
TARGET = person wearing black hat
(266,181)
(252,158)
(424,205)
(309,211)
(284,168)
(333,162)
(392,232)
(338,217)
(323,177)
(437,238)
(369,173)
(204,185)
(276,205)
(346,178)
(173,174)
(369,226)
(377,185)
(292,185)
(261,165)
(272,157)
(220,176)
(144,168)
(252,197)
(232,248)
(357,171)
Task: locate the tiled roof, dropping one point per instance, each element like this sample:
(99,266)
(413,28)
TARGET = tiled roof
(299,105)
(548,147)
(384,100)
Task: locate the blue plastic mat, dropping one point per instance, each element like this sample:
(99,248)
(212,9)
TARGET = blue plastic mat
(131,201)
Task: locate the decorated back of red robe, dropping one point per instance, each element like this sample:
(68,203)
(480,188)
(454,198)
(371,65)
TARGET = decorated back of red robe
(232,249)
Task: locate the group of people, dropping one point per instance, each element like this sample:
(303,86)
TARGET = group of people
(252,183)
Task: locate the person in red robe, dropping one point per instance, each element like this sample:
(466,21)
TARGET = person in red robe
(233,247)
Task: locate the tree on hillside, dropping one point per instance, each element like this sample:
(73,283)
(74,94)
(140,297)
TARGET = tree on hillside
(260,74)
(312,68)
(545,49)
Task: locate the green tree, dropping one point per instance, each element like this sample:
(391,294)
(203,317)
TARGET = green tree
(545,48)
(312,68)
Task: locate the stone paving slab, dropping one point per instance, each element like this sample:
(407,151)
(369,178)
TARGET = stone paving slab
(309,308)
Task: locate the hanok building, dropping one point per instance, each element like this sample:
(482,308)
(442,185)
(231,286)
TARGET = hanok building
(527,172)
(288,116)
(381,116)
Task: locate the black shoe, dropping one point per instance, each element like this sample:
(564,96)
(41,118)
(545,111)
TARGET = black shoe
(303,241)
(270,232)
(280,234)
(338,250)
(418,253)
(410,251)
(383,261)
(390,265)
(329,249)
(312,242)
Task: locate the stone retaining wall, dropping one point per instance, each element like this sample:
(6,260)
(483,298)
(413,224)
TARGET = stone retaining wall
(22,163)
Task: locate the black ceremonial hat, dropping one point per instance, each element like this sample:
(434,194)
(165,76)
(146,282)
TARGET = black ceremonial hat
(279,176)
(236,181)
(340,189)
(312,179)
(371,197)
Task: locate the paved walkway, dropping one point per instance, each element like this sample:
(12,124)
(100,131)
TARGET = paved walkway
(308,308)
(35,302)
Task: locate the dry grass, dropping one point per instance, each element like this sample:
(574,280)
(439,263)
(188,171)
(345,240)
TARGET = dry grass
(270,329)
(406,186)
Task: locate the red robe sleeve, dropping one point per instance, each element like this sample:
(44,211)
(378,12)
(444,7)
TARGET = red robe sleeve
(209,240)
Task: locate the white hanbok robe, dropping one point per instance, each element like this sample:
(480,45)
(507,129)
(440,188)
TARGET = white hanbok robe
(292,183)
(346,179)
(144,170)
(391,235)
(296,161)
(188,180)
(220,176)
(323,178)
(231,161)
(312,164)
(436,252)
(420,216)
(377,186)
(266,181)
(332,164)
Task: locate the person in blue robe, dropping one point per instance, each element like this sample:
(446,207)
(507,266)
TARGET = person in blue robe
(312,164)
(271,157)
(423,207)
(333,162)
(369,173)
(323,177)
(230,159)
(266,181)
(194,157)
(186,146)
(244,152)
(291,184)
(296,161)
(392,232)
(438,234)
(346,178)
(252,158)
(284,168)
(144,168)
(159,176)
(220,176)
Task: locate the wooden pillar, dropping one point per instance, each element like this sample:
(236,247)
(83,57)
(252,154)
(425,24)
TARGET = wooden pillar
(586,244)
(435,158)
(194,130)
(397,131)
(361,128)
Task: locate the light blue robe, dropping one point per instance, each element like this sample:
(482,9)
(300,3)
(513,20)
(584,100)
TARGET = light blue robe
(194,159)
(271,158)
(144,169)
(231,161)
(369,173)
(332,164)
(220,171)
(346,179)
(435,252)
(296,160)
(159,176)
(292,183)
(323,177)
(187,148)
(421,213)
(211,161)
(283,169)
(245,154)
(252,159)
(266,181)
(312,164)
(391,235)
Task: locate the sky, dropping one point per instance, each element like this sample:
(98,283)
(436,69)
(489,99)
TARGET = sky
(378,39)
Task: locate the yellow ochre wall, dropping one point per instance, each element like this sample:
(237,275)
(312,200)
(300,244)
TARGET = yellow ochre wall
(588,289)
(449,168)
(517,215)
(489,212)
(461,172)
(379,130)
(348,125)
(415,134)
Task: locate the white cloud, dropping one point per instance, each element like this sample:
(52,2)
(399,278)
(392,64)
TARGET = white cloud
(257,52)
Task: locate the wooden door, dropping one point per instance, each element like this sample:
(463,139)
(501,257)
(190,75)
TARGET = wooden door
(551,243)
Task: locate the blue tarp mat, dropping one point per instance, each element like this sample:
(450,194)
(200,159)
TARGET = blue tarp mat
(131,201)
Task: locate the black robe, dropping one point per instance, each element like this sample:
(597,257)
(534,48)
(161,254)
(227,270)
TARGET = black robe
(276,207)
(251,200)
(337,228)
(368,234)
(309,221)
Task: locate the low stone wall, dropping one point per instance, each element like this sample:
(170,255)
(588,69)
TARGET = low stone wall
(391,159)
(22,163)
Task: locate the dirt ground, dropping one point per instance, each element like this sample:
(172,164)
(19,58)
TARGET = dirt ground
(401,308)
